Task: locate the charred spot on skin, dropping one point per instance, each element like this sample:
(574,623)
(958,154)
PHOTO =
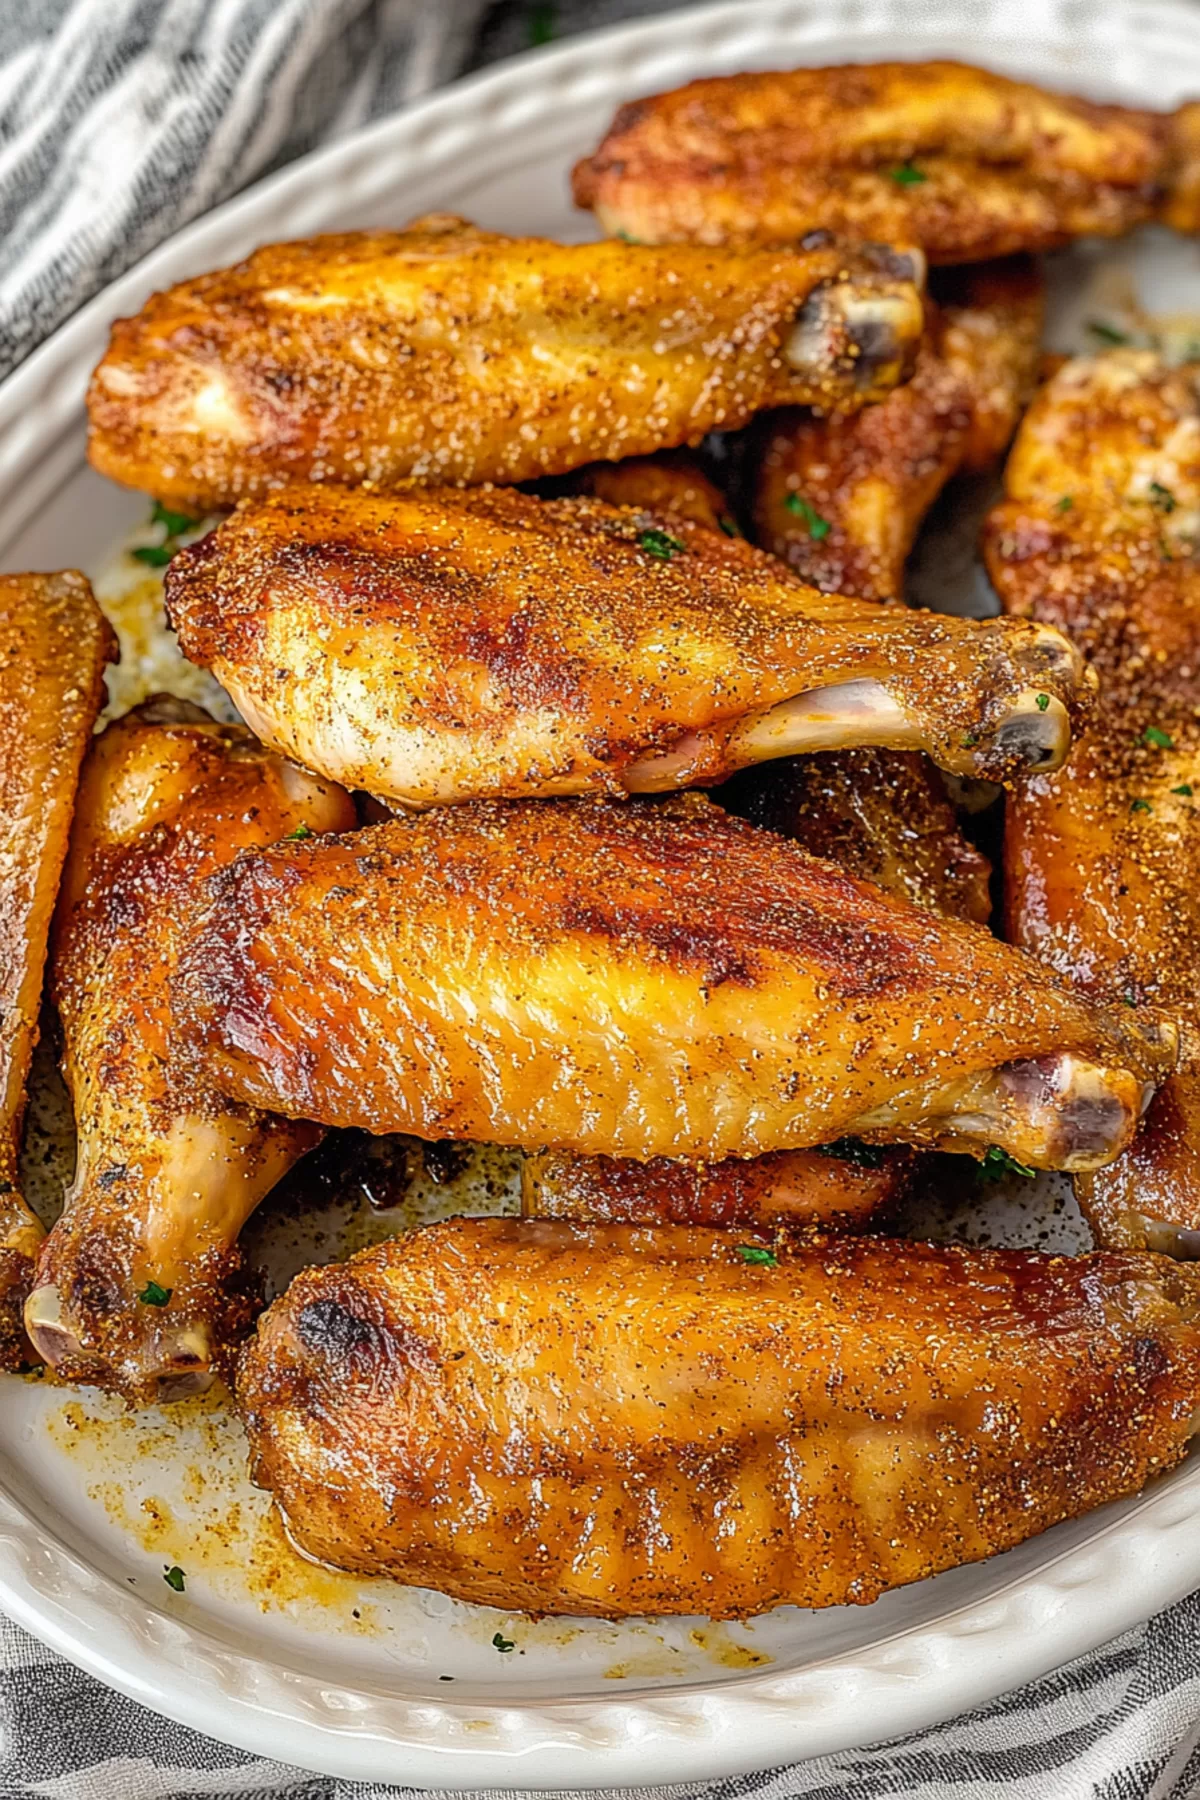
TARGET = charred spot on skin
(329,1329)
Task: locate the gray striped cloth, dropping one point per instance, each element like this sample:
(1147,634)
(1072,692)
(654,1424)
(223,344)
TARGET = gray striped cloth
(119,121)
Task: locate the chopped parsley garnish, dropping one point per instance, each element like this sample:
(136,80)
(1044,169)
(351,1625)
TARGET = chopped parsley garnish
(1043,701)
(175,1578)
(660,544)
(503,1644)
(1157,738)
(968,741)
(1184,788)
(1162,497)
(154,1295)
(173,523)
(905,175)
(1130,1000)
(298,836)
(155,556)
(1136,806)
(757,1253)
(1066,503)
(853,1150)
(1108,334)
(817,526)
(541,25)
(997,1163)
(727,526)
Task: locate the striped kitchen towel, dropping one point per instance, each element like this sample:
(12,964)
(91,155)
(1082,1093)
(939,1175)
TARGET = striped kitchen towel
(119,121)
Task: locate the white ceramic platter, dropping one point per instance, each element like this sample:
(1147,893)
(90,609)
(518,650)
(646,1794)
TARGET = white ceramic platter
(360,1679)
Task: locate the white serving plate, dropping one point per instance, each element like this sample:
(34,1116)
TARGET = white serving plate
(348,1677)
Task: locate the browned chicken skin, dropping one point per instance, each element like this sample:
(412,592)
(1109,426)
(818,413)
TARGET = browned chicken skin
(444,645)
(967,164)
(134,1283)
(882,815)
(54,644)
(838,1187)
(670,481)
(612,1421)
(444,353)
(1101,535)
(638,979)
(841,499)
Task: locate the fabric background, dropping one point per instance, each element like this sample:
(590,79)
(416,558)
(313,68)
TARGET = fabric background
(119,121)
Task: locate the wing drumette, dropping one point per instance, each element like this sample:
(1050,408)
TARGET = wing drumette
(605,1420)
(641,979)
(1100,535)
(841,499)
(441,646)
(54,644)
(444,353)
(133,1284)
(965,163)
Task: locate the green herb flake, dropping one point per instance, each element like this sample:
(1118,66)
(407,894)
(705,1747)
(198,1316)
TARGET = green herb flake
(175,1578)
(660,544)
(1157,738)
(1184,788)
(154,1295)
(853,1150)
(969,741)
(503,1644)
(728,526)
(818,527)
(1066,503)
(541,26)
(1043,701)
(1108,334)
(298,836)
(906,175)
(1162,497)
(757,1253)
(1130,1001)
(172,522)
(155,556)
(1138,806)
(997,1163)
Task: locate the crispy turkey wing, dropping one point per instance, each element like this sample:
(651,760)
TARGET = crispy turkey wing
(965,163)
(607,1420)
(136,1284)
(444,353)
(448,645)
(638,979)
(1101,535)
(54,643)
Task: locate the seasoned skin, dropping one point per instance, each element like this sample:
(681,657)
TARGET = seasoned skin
(882,815)
(1100,535)
(612,1421)
(965,163)
(839,1187)
(672,481)
(1181,209)
(163,1181)
(841,499)
(447,645)
(54,643)
(638,979)
(444,354)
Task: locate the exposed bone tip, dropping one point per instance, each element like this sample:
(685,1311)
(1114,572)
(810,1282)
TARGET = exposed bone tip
(1036,731)
(47,1330)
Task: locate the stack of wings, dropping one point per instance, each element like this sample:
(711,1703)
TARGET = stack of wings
(664,883)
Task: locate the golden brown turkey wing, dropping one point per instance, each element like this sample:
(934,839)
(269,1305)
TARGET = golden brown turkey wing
(447,645)
(134,1281)
(638,979)
(54,644)
(965,163)
(1100,536)
(444,353)
(606,1420)
(841,499)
